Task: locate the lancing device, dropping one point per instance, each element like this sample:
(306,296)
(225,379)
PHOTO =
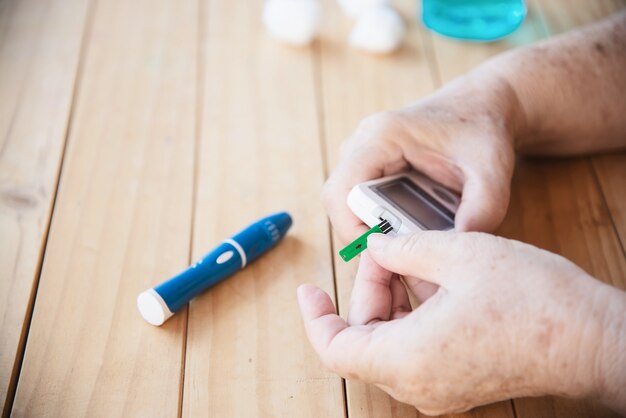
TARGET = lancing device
(158,304)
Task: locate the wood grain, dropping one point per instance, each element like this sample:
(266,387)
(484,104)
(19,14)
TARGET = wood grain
(560,16)
(355,85)
(556,205)
(611,172)
(121,222)
(259,153)
(454,58)
(39,52)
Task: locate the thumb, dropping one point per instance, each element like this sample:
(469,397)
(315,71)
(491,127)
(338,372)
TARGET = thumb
(342,349)
(440,257)
(485,200)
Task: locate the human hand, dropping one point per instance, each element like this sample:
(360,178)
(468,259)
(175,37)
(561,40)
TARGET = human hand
(508,320)
(462,136)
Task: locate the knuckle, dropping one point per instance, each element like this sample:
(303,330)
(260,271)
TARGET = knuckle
(331,362)
(344,148)
(441,405)
(412,243)
(328,193)
(470,242)
(379,122)
(372,135)
(432,412)
(441,408)
(481,243)
(470,246)
(370,122)
(350,144)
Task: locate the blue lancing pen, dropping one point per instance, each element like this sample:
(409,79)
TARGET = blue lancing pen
(158,304)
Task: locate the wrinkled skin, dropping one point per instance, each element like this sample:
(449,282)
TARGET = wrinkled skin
(499,318)
(490,332)
(461,137)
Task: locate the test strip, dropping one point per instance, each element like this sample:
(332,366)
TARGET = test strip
(358,245)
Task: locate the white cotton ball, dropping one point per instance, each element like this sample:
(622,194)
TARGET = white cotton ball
(378,30)
(353,8)
(295,22)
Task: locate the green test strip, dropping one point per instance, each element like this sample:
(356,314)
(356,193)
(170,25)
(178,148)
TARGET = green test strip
(355,247)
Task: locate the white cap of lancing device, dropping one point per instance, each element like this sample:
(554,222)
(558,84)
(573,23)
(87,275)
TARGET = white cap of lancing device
(153,308)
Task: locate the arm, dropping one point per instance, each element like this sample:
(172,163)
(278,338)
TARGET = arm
(571,89)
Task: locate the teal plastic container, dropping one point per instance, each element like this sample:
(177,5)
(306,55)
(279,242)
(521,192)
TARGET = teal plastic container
(474,20)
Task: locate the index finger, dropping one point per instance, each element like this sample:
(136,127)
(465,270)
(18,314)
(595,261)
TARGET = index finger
(363,164)
(371,298)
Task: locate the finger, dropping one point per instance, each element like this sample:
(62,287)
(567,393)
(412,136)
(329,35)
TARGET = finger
(435,256)
(320,317)
(342,349)
(484,202)
(371,294)
(422,289)
(362,164)
(400,303)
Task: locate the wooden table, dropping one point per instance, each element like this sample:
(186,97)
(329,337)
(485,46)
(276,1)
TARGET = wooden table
(135,134)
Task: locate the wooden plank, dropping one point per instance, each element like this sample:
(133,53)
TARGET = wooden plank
(611,172)
(39,51)
(560,17)
(247,354)
(455,58)
(122,222)
(355,85)
(556,205)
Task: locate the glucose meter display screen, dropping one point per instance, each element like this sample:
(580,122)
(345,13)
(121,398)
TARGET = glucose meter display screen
(415,203)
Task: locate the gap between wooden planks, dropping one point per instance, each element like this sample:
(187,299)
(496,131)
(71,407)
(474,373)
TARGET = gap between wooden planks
(259,152)
(121,221)
(123,214)
(39,54)
(355,85)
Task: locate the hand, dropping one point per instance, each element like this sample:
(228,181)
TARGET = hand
(462,136)
(508,320)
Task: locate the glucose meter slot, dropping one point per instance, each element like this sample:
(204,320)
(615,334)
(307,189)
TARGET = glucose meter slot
(384,215)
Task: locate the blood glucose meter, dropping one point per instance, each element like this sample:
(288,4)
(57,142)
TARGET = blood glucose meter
(410,202)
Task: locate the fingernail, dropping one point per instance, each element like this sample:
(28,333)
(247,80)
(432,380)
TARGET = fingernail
(376,242)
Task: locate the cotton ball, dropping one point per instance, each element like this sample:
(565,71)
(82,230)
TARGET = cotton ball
(379,30)
(353,8)
(295,22)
